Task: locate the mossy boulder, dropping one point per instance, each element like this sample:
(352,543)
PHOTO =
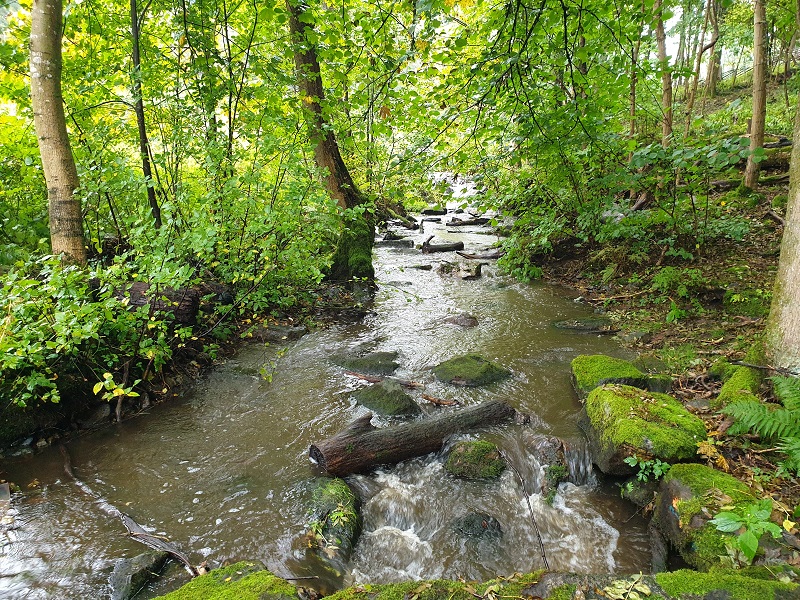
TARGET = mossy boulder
(334,522)
(741,383)
(505,587)
(475,460)
(591,371)
(470,370)
(689,497)
(239,581)
(550,454)
(387,398)
(622,421)
(731,585)
(353,256)
(374,363)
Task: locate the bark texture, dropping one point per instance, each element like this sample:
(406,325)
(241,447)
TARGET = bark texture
(783,325)
(361,446)
(58,164)
(666,75)
(353,257)
(759,91)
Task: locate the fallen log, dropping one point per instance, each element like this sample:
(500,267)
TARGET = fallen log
(428,248)
(360,446)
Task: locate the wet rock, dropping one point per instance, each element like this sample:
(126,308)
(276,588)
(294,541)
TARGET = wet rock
(334,522)
(100,414)
(422,267)
(462,320)
(279,333)
(131,574)
(591,371)
(635,337)
(470,370)
(550,453)
(387,398)
(463,270)
(475,460)
(641,493)
(477,525)
(432,220)
(403,243)
(434,210)
(622,421)
(587,325)
(659,549)
(375,363)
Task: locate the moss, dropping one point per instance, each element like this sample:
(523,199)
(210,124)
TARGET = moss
(743,383)
(375,363)
(722,369)
(240,581)
(685,584)
(654,423)
(563,592)
(747,303)
(438,589)
(704,545)
(591,371)
(475,460)
(335,518)
(387,398)
(469,370)
(353,256)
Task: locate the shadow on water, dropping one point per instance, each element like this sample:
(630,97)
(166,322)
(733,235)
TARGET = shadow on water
(223,471)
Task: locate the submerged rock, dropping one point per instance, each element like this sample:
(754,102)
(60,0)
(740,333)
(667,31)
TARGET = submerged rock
(375,363)
(279,333)
(462,320)
(587,325)
(622,421)
(387,398)
(477,525)
(469,370)
(475,460)
(131,574)
(434,210)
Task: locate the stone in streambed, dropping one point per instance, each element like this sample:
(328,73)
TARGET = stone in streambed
(470,370)
(375,363)
(475,460)
(593,370)
(387,398)
(462,320)
(131,574)
(477,525)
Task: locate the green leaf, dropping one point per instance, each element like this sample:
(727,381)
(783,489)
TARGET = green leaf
(748,543)
(727,522)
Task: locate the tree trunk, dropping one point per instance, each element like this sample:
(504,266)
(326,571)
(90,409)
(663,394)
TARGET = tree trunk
(783,324)
(360,446)
(144,144)
(666,76)
(759,92)
(697,62)
(353,257)
(58,164)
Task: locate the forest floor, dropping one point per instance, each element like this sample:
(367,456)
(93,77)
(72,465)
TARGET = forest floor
(719,314)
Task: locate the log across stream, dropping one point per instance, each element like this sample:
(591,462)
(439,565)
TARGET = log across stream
(223,472)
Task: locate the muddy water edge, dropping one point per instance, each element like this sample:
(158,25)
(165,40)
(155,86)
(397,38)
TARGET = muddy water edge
(223,471)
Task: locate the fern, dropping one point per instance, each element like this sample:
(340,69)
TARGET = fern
(774,422)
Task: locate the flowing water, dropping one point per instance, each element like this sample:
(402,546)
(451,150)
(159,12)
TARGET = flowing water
(223,470)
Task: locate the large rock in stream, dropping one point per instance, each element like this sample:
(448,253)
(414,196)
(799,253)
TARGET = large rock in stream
(374,363)
(470,370)
(478,459)
(593,370)
(387,398)
(130,575)
(622,421)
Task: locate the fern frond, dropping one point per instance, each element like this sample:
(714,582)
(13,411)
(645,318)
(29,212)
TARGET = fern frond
(787,390)
(768,422)
(791,447)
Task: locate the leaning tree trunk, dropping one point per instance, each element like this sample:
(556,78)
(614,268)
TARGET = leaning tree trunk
(361,446)
(666,76)
(783,325)
(751,172)
(58,164)
(353,257)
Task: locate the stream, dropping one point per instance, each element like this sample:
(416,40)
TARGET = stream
(223,470)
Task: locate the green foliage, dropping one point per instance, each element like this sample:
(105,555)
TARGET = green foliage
(774,422)
(649,470)
(750,523)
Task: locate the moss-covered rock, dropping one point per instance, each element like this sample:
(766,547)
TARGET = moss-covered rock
(587,325)
(240,581)
(511,587)
(374,363)
(387,398)
(353,256)
(335,521)
(622,421)
(691,584)
(470,370)
(591,371)
(690,495)
(475,460)
(742,383)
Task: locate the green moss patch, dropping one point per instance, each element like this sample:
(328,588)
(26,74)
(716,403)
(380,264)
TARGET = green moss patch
(240,581)
(387,398)
(592,371)
(511,587)
(475,460)
(375,363)
(691,584)
(470,370)
(690,495)
(353,256)
(647,424)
